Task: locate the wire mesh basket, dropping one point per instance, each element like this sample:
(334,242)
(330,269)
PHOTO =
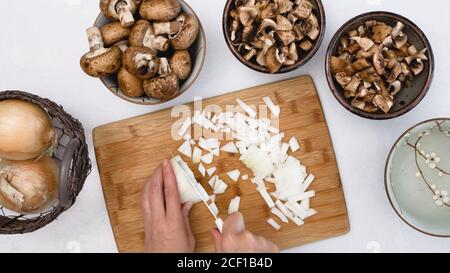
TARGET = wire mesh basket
(72,157)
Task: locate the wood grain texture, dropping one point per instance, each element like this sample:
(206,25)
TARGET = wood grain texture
(128,151)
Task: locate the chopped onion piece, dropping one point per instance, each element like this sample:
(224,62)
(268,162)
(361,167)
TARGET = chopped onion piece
(246,108)
(184,126)
(187,137)
(202,169)
(295,208)
(220,187)
(234,205)
(214,208)
(192,142)
(211,171)
(207,158)
(212,143)
(270,180)
(310,212)
(305,204)
(219,224)
(244,177)
(216,152)
(274,224)
(273,108)
(258,161)
(196,155)
(288,176)
(234,175)
(279,214)
(303,196)
(265,195)
(186,149)
(230,148)
(204,144)
(258,181)
(212,181)
(212,197)
(282,208)
(294,144)
(308,181)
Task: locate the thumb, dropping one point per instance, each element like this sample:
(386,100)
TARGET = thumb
(185,210)
(234,224)
(217,236)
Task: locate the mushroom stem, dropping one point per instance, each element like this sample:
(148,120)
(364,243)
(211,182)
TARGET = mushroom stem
(152,41)
(145,63)
(95,39)
(125,15)
(166,27)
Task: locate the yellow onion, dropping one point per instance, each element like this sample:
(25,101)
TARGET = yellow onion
(28,186)
(26,131)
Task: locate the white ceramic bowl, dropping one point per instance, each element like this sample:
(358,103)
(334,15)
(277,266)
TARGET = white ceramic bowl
(198,54)
(411,184)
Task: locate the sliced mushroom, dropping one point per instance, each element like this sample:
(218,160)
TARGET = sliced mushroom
(248,34)
(395,71)
(292,56)
(273,61)
(188,32)
(306,45)
(313,26)
(286,37)
(360,64)
(143,35)
(380,32)
(369,75)
(267,24)
(304,9)
(400,40)
(247,14)
(379,63)
(270,11)
(130,84)
(342,78)
(365,43)
(162,88)
(395,87)
(119,10)
(181,64)
(114,32)
(159,10)
(283,24)
(337,64)
(352,86)
(383,102)
(284,6)
(100,61)
(234,29)
(397,30)
(358,104)
(141,61)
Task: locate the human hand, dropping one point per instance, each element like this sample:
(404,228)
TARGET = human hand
(166,221)
(235,239)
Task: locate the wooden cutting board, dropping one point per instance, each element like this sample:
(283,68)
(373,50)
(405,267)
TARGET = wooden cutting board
(128,151)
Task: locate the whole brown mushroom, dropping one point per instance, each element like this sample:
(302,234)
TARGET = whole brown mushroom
(142,35)
(181,64)
(141,61)
(130,84)
(114,32)
(188,32)
(159,10)
(119,10)
(100,61)
(162,88)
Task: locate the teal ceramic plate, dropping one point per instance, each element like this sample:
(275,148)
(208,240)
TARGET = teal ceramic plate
(417,177)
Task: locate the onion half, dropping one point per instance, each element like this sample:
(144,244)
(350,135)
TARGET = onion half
(28,186)
(26,131)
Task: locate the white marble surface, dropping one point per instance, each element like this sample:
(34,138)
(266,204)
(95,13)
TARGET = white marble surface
(42,40)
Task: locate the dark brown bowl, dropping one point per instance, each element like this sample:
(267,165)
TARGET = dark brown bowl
(319,12)
(407,98)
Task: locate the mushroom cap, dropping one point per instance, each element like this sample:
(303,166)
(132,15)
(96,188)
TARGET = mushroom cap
(188,33)
(108,8)
(102,63)
(130,84)
(130,63)
(137,33)
(162,88)
(160,10)
(181,64)
(114,32)
(272,62)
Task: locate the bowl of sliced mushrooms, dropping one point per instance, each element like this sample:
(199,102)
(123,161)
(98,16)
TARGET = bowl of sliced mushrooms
(274,36)
(145,51)
(379,65)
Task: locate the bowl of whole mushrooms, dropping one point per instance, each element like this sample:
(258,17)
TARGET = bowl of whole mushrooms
(274,36)
(379,65)
(146,52)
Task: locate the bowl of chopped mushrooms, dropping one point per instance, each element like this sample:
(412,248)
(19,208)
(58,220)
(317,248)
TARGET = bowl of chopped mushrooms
(274,36)
(145,51)
(379,65)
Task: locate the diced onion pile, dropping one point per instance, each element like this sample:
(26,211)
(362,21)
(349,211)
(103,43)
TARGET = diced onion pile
(262,150)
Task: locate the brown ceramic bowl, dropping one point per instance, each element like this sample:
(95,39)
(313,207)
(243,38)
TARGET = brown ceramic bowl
(198,54)
(319,12)
(407,98)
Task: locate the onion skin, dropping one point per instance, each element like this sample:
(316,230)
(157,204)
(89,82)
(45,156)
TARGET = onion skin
(37,181)
(26,131)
